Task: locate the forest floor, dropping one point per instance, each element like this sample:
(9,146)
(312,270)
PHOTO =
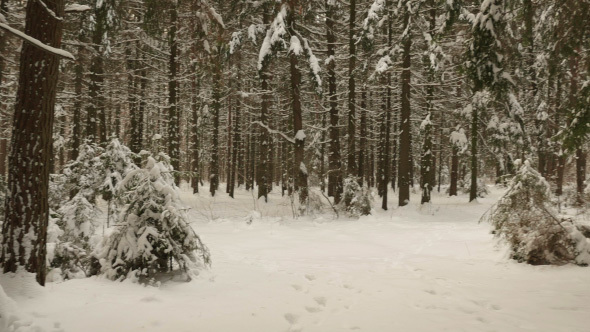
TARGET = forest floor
(407,269)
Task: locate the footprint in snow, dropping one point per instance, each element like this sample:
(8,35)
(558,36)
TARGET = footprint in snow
(150,299)
(297,287)
(310,277)
(291,318)
(320,300)
(313,310)
(430,291)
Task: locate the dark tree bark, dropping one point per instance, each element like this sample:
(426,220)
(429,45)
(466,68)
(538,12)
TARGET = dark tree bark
(214,169)
(405,161)
(363,139)
(173,114)
(334,157)
(195,161)
(3,119)
(78,85)
(387,139)
(299,168)
(580,154)
(560,165)
(237,133)
(96,110)
(474,153)
(454,171)
(427,166)
(263,173)
(25,226)
(352,166)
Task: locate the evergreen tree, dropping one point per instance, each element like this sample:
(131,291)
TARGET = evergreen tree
(153,235)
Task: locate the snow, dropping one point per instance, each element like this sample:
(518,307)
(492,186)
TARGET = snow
(300,135)
(407,269)
(36,42)
(77,8)
(295,46)
(458,138)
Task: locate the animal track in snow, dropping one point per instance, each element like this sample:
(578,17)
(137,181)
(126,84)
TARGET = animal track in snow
(310,277)
(291,318)
(312,310)
(320,300)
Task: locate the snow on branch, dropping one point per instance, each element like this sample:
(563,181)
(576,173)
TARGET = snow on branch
(37,43)
(213,13)
(272,131)
(274,35)
(77,8)
(51,12)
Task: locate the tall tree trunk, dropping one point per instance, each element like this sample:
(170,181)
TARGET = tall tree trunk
(228,157)
(363,138)
(173,114)
(351,166)
(323,155)
(454,171)
(27,210)
(334,157)
(4,125)
(559,148)
(263,168)
(387,148)
(78,85)
(300,169)
(580,173)
(237,131)
(474,153)
(427,166)
(405,161)
(195,161)
(95,110)
(216,107)
(580,154)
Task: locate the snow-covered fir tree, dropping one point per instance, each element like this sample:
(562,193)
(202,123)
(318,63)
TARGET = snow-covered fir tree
(153,235)
(525,218)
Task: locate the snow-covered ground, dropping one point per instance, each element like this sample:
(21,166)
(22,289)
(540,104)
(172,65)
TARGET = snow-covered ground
(405,269)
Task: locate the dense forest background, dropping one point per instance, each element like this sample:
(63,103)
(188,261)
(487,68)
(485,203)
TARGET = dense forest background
(284,95)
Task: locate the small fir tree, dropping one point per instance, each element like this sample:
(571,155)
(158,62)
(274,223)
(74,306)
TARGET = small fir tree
(153,235)
(357,199)
(524,218)
(116,162)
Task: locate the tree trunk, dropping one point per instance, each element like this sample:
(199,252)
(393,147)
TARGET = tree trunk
(351,166)
(237,131)
(334,157)
(405,160)
(454,171)
(195,161)
(4,130)
(580,173)
(96,111)
(427,165)
(299,167)
(215,107)
(363,138)
(263,168)
(173,114)
(78,85)
(474,153)
(27,211)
